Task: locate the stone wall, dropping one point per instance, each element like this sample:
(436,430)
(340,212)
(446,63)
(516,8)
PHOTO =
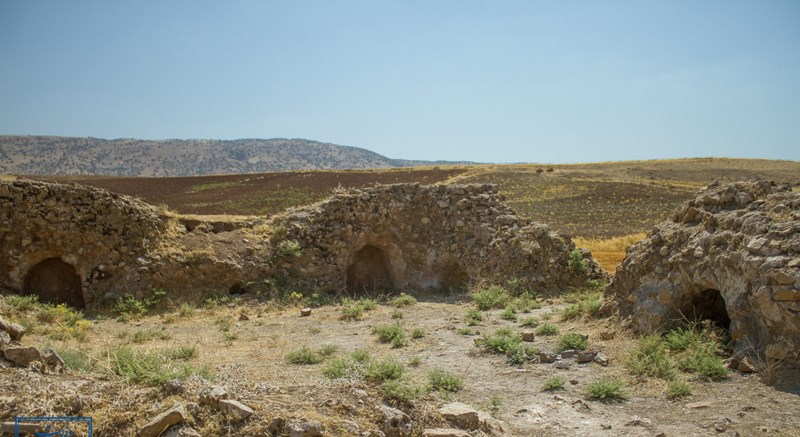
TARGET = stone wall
(411,237)
(731,255)
(78,245)
(69,240)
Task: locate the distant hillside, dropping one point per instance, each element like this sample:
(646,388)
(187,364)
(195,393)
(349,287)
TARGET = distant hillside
(46,155)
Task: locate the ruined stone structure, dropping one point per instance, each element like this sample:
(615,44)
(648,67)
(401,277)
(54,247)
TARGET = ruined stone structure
(731,255)
(77,245)
(412,237)
(63,242)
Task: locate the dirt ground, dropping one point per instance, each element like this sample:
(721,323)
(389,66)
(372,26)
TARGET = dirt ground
(250,361)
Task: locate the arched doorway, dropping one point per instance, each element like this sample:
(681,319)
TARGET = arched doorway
(709,305)
(55,282)
(369,271)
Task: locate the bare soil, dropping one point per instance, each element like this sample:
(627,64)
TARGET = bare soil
(250,361)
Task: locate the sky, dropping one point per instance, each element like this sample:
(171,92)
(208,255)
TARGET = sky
(485,81)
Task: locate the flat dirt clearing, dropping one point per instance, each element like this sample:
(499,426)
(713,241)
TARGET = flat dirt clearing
(250,360)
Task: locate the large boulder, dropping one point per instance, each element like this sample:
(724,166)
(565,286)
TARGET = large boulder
(732,256)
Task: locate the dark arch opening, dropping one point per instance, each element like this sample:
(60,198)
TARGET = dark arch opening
(369,271)
(55,282)
(709,305)
(452,277)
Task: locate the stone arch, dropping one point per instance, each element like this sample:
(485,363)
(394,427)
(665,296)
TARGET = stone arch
(369,270)
(708,304)
(55,282)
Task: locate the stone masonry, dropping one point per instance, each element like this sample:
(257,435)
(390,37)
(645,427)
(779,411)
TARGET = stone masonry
(731,255)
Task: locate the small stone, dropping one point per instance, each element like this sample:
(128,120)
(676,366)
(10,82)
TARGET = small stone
(573,381)
(425,220)
(14,330)
(461,415)
(235,409)
(181,431)
(243,317)
(786,296)
(584,357)
(746,366)
(163,421)
(783,278)
(308,428)
(638,421)
(22,356)
(395,422)
(5,339)
(305,312)
(601,359)
(569,353)
(547,357)
(173,387)
(698,405)
(605,426)
(562,365)
(731,363)
(664,251)
(52,359)
(212,395)
(528,336)
(794,263)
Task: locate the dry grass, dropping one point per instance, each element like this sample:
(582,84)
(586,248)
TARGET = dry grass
(609,252)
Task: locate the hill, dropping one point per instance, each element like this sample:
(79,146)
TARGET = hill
(49,155)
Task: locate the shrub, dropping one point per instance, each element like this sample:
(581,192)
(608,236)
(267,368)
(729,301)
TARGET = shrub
(384,370)
(338,369)
(397,315)
(181,353)
(555,383)
(327,350)
(393,334)
(492,297)
(503,341)
(403,300)
(577,263)
(466,331)
(442,380)
(606,389)
(360,355)
(704,363)
(592,306)
(415,361)
(288,249)
(75,360)
(146,335)
(572,340)
(128,307)
(571,312)
(304,355)
(678,389)
(355,309)
(525,304)
(509,314)
(649,359)
(185,310)
(418,333)
(474,317)
(22,303)
(547,329)
(529,322)
(150,368)
(401,391)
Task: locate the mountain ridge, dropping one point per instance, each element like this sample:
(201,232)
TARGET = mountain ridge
(57,155)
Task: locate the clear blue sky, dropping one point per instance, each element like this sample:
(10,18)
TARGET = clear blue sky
(491,81)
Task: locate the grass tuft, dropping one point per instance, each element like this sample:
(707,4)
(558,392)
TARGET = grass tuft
(442,380)
(606,389)
(554,383)
(572,340)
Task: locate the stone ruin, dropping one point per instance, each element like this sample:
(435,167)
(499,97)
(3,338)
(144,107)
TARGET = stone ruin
(78,245)
(731,256)
(412,237)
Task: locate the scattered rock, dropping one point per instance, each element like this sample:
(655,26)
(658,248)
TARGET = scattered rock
(585,357)
(746,365)
(155,427)
(52,359)
(601,359)
(638,421)
(461,415)
(569,353)
(22,356)
(212,395)
(562,365)
(14,330)
(305,312)
(237,410)
(304,428)
(395,422)
(698,405)
(243,317)
(181,431)
(5,339)
(528,336)
(173,387)
(547,357)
